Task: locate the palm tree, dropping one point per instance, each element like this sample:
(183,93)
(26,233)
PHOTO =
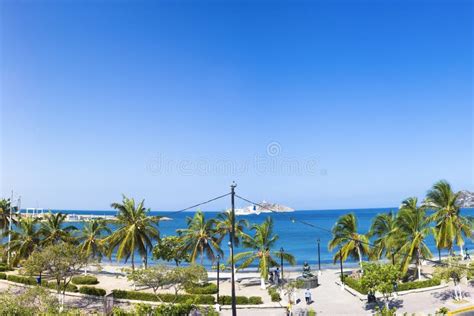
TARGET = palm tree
(261,244)
(53,229)
(25,239)
(350,241)
(91,238)
(224,227)
(450,224)
(7,212)
(135,231)
(413,226)
(383,228)
(200,237)
(4,214)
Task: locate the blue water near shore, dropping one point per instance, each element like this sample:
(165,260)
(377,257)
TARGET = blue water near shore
(295,237)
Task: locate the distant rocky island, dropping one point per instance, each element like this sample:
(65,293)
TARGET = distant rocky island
(263,207)
(466,199)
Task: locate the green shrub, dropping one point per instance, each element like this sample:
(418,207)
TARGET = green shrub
(32,281)
(274,295)
(206,288)
(354,284)
(117,311)
(418,284)
(3,276)
(21,279)
(54,286)
(85,279)
(240,300)
(255,300)
(165,297)
(4,268)
(90,290)
(172,310)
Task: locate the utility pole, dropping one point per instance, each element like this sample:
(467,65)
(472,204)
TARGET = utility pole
(231,242)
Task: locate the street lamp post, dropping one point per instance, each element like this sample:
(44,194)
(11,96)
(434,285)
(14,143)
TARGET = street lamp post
(231,243)
(319,257)
(218,269)
(281,263)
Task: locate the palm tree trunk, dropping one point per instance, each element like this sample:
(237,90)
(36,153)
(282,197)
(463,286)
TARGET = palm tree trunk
(418,264)
(262,283)
(360,259)
(133,260)
(461,250)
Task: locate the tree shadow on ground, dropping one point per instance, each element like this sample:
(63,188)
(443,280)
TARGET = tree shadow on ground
(448,294)
(86,302)
(393,303)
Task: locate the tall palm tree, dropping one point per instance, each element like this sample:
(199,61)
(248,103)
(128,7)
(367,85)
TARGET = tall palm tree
(414,227)
(4,214)
(200,237)
(383,228)
(91,238)
(54,230)
(261,244)
(7,213)
(24,239)
(134,231)
(452,227)
(224,227)
(351,242)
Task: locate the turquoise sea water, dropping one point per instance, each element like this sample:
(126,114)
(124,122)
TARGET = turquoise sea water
(294,237)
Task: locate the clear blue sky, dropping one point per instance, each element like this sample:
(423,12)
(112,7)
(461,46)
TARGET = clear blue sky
(97,96)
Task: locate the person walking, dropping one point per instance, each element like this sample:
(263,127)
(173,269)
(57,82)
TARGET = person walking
(307,296)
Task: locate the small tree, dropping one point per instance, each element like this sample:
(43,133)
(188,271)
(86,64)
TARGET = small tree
(180,277)
(162,277)
(453,271)
(380,278)
(170,249)
(61,262)
(154,278)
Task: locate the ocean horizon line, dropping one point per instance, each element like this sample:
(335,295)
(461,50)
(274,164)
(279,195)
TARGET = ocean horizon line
(212,211)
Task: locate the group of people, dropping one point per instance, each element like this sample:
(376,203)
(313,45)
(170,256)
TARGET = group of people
(274,276)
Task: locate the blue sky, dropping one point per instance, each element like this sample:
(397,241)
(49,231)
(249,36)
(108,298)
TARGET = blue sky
(368,102)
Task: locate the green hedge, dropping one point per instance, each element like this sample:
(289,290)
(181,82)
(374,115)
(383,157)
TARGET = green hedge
(356,285)
(53,285)
(165,297)
(274,295)
(4,268)
(32,281)
(21,279)
(206,288)
(3,276)
(85,279)
(240,300)
(165,310)
(255,300)
(418,284)
(90,290)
